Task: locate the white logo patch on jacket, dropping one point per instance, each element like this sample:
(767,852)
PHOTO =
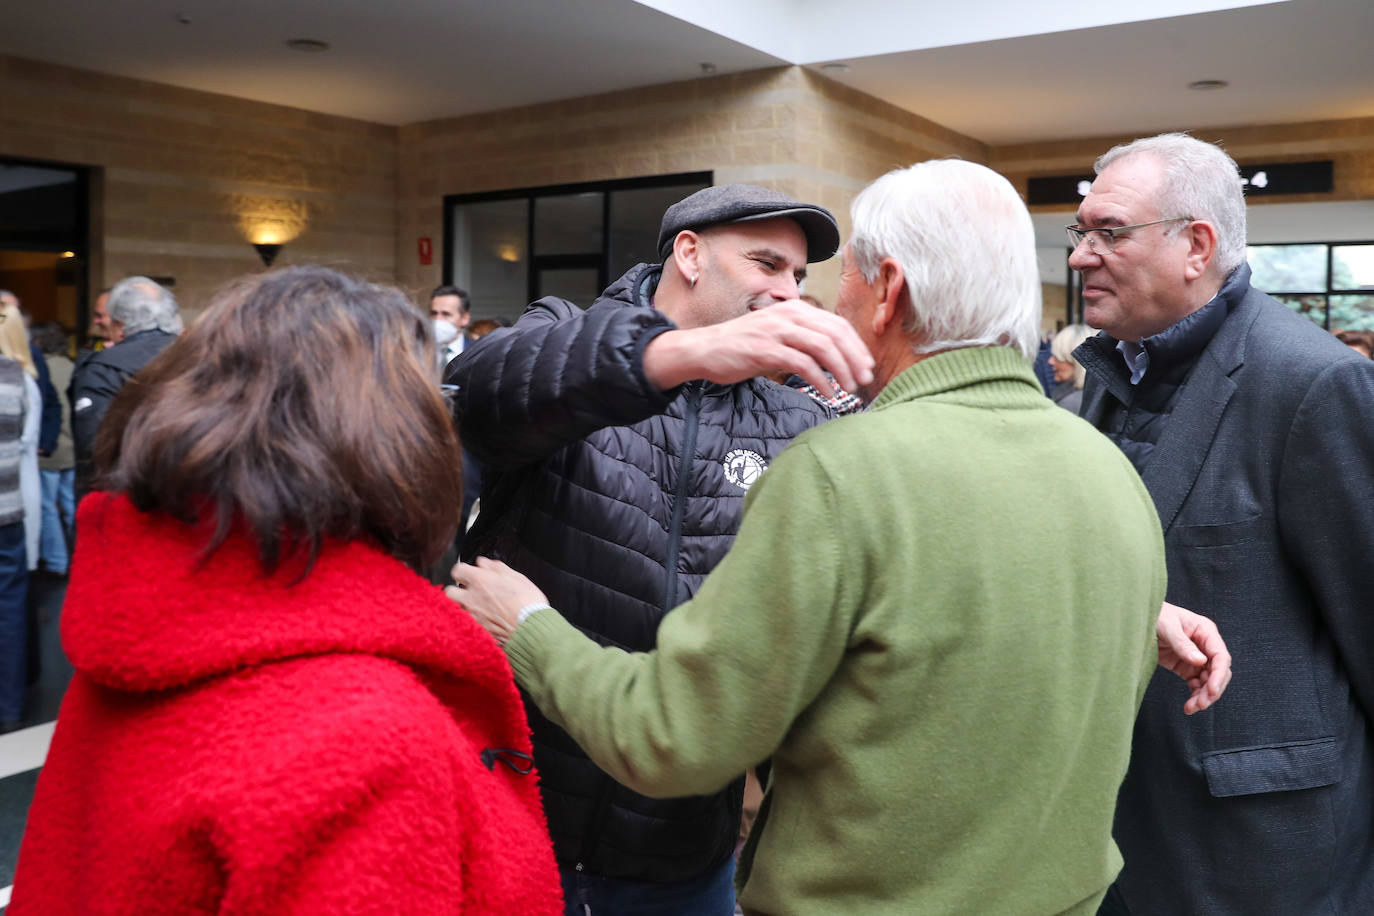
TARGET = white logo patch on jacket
(743,467)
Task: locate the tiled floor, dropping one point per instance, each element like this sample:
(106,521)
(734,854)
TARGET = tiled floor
(22,752)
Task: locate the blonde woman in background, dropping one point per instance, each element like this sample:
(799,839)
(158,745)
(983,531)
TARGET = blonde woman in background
(1068,374)
(14,343)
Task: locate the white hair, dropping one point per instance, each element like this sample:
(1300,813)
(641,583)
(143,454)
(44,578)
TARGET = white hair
(140,304)
(1200,181)
(965,242)
(1065,342)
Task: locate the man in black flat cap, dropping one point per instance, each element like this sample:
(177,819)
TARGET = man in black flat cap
(619,443)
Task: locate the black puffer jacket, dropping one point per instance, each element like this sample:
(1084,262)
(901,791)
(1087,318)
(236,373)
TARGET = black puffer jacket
(95,382)
(617,500)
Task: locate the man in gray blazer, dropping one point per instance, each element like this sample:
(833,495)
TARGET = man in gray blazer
(1248,425)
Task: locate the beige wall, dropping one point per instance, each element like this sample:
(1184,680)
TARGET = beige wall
(784,128)
(184,176)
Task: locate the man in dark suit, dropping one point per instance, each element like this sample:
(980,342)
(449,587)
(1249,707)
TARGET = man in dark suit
(1245,423)
(448,305)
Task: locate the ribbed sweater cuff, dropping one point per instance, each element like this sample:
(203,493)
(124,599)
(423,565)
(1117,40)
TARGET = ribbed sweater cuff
(529,642)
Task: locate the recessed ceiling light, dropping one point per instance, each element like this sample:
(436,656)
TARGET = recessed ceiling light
(307,45)
(835,68)
(708,68)
(1206,85)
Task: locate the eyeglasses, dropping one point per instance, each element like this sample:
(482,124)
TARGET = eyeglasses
(1103,240)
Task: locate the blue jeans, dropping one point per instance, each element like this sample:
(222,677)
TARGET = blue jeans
(711,894)
(59,504)
(14,624)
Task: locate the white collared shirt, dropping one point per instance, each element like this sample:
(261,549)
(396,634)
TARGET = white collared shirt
(1137,360)
(451,349)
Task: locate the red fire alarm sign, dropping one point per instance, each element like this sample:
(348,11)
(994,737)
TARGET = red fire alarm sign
(426,252)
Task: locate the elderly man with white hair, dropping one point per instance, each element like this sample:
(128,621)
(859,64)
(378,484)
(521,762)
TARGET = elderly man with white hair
(144,319)
(946,697)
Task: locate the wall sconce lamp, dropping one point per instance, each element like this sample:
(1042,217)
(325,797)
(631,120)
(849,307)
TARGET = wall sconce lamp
(269,224)
(267,251)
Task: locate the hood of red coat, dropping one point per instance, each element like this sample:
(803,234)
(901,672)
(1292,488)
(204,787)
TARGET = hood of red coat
(143,612)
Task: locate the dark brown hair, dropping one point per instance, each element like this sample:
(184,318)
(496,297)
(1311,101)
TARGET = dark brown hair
(484,326)
(1362,339)
(302,405)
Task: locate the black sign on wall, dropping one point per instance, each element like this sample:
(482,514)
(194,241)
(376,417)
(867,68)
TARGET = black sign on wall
(1059,189)
(1287,178)
(1266,180)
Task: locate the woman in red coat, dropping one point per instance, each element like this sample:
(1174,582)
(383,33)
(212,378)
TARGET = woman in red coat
(271,713)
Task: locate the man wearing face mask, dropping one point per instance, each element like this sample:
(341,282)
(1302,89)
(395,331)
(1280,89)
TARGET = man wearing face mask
(449,314)
(448,310)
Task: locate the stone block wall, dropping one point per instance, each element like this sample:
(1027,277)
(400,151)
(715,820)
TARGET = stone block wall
(184,180)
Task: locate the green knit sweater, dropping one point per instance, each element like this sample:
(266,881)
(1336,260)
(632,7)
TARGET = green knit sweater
(937,619)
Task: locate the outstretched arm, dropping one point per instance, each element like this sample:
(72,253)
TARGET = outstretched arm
(791,336)
(1191,647)
(732,668)
(560,374)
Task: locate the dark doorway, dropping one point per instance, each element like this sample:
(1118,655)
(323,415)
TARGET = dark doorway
(45,240)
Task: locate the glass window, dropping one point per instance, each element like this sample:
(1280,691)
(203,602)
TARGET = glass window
(636,215)
(579,285)
(511,247)
(1352,313)
(1288,268)
(1321,282)
(568,224)
(489,256)
(1352,267)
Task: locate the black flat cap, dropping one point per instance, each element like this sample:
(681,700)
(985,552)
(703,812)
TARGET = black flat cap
(740,203)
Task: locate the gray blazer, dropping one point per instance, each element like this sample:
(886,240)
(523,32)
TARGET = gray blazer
(1264,482)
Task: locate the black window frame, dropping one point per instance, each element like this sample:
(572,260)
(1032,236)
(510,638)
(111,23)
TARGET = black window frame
(1327,293)
(534,263)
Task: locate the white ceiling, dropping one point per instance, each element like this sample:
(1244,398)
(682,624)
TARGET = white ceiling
(1001,71)
(394,63)
(1303,60)
(810,31)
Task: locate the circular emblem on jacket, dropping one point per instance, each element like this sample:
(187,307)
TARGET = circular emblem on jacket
(743,467)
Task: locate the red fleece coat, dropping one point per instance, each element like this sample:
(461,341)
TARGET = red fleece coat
(236,744)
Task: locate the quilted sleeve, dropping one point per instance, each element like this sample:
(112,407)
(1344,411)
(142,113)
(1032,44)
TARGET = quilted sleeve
(559,374)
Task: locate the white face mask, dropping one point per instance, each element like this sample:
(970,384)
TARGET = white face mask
(444,332)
